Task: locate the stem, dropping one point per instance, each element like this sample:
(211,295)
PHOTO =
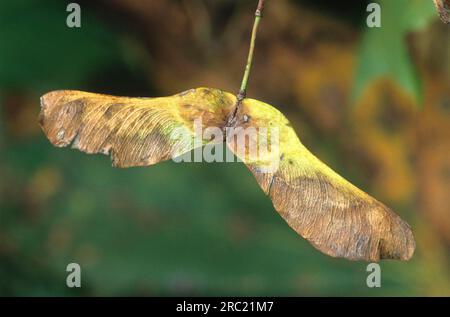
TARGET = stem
(258,16)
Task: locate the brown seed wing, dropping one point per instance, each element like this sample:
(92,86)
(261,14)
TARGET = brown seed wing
(135,131)
(335,216)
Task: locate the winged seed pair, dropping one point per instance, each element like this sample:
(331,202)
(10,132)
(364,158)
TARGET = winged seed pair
(335,216)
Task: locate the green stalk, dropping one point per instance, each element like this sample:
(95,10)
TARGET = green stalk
(258,16)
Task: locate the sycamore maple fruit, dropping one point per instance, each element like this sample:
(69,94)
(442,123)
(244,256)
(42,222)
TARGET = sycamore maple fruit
(335,216)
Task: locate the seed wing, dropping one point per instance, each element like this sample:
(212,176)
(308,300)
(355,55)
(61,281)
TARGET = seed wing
(335,216)
(134,131)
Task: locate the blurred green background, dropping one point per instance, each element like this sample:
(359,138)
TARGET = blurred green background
(372,103)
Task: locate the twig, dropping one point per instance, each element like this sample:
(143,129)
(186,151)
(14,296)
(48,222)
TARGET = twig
(258,16)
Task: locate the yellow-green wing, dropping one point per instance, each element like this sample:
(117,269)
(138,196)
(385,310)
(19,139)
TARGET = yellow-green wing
(335,216)
(134,131)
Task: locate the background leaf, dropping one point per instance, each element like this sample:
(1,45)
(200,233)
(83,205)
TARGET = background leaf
(384,50)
